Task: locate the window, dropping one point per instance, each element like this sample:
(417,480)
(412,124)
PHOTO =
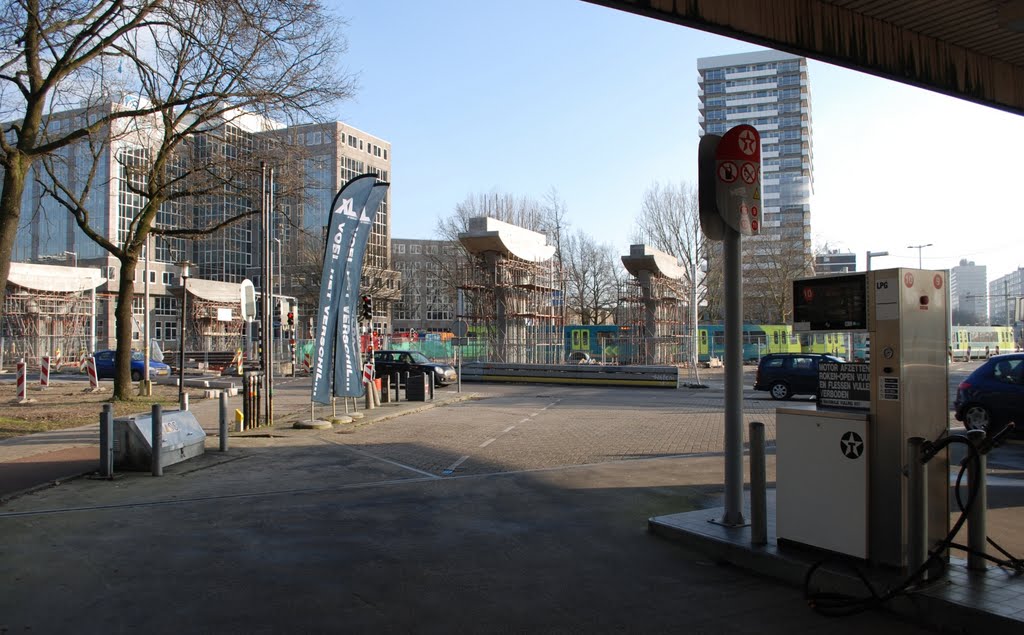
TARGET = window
(400,249)
(171,331)
(415,249)
(158,330)
(169,278)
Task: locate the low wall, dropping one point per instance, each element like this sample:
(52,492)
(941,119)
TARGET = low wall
(584,374)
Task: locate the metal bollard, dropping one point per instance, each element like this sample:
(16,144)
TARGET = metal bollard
(385,388)
(430,382)
(407,385)
(976,530)
(157,437)
(917,506)
(398,385)
(107,441)
(183,404)
(223,432)
(758,486)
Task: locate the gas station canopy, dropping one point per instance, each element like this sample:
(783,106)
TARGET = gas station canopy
(972,49)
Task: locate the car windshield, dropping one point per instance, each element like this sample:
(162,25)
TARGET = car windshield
(137,356)
(419,358)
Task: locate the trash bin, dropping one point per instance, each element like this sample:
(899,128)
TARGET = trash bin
(417,388)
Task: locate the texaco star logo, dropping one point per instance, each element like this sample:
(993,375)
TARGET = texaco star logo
(747,142)
(851,445)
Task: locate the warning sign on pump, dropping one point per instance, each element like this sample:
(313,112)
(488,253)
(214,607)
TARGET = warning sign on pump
(889,388)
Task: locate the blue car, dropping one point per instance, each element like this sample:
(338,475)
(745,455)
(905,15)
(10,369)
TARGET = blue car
(105,366)
(993,395)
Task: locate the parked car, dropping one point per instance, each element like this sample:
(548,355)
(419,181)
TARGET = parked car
(786,374)
(105,366)
(993,395)
(414,363)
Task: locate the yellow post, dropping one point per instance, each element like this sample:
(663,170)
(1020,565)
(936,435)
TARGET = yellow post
(239,419)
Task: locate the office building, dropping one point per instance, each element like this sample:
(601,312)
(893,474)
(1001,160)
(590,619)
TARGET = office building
(833,261)
(1003,293)
(770,91)
(428,300)
(968,295)
(331,154)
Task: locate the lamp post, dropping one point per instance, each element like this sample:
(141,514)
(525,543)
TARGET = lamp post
(918,248)
(181,353)
(874,254)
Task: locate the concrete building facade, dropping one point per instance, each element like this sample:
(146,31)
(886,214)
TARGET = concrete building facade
(968,293)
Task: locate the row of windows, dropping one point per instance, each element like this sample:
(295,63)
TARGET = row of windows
(371,148)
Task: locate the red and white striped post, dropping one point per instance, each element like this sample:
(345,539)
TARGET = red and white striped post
(22,384)
(307,362)
(94,383)
(58,361)
(83,361)
(44,372)
(368,382)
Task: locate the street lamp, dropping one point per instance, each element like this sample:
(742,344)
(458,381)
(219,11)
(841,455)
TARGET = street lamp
(874,254)
(181,354)
(919,248)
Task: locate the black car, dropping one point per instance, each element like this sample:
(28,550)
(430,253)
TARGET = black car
(786,374)
(993,395)
(414,363)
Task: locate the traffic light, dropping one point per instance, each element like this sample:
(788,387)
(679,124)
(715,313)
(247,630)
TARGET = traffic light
(366,312)
(291,320)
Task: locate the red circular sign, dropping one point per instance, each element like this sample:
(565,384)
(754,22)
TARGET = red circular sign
(753,211)
(908,279)
(727,172)
(753,224)
(937,281)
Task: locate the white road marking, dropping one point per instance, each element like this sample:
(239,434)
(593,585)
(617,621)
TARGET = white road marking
(507,429)
(451,468)
(487,443)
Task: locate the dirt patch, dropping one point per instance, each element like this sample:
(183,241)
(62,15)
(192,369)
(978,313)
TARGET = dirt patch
(68,404)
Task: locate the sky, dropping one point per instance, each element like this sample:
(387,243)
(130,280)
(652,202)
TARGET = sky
(532,96)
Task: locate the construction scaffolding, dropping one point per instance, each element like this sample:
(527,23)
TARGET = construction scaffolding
(48,310)
(213,321)
(509,296)
(653,309)
(654,322)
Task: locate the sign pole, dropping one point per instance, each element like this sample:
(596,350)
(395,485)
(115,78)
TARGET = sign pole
(732,248)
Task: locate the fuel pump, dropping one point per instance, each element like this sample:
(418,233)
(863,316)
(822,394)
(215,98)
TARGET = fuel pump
(841,475)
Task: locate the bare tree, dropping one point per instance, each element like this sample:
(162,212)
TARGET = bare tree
(215,74)
(51,55)
(669,220)
(591,281)
(773,262)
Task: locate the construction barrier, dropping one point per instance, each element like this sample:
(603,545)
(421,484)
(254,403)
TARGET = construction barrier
(83,361)
(22,384)
(582,374)
(94,382)
(44,372)
(307,361)
(58,361)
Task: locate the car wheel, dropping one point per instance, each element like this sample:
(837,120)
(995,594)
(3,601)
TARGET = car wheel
(136,375)
(977,417)
(780,391)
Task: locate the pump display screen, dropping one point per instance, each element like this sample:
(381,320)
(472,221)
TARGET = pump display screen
(834,303)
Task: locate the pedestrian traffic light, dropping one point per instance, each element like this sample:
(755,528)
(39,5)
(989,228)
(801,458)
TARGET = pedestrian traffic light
(291,320)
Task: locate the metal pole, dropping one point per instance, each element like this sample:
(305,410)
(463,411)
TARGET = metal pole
(181,353)
(157,437)
(758,486)
(145,324)
(223,431)
(917,505)
(976,530)
(107,441)
(268,298)
(733,379)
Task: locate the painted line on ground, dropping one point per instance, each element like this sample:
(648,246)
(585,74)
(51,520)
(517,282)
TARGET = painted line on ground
(451,468)
(378,458)
(508,429)
(487,443)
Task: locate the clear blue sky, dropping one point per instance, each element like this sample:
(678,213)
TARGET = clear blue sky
(522,96)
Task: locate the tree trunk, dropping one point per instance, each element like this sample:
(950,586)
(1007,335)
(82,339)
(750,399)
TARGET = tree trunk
(15,170)
(123,329)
